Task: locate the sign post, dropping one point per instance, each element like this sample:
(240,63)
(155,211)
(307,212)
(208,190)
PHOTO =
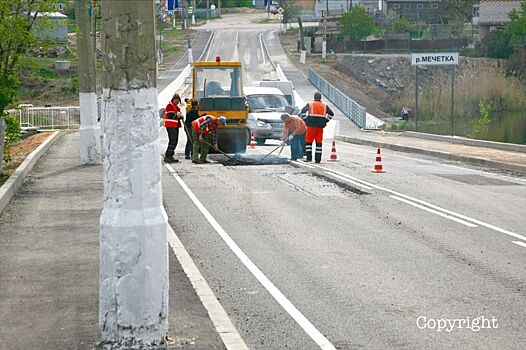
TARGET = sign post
(440,59)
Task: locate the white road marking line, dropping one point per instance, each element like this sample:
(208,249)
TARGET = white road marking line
(430,161)
(228,333)
(300,319)
(522,244)
(236,53)
(303,164)
(348,180)
(468,224)
(262,50)
(467,218)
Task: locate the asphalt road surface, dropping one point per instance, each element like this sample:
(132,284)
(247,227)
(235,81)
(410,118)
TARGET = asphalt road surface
(306,256)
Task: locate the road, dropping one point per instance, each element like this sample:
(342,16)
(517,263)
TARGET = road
(305,256)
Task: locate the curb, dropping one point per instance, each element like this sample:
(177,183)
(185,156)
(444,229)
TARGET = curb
(469,142)
(15,181)
(445,155)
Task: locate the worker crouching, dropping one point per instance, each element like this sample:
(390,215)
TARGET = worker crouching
(293,131)
(316,115)
(204,136)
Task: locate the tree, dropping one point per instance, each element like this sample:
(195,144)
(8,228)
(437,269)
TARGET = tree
(517,27)
(497,45)
(458,11)
(357,24)
(290,10)
(18,18)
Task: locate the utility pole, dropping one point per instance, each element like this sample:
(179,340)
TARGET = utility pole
(133,286)
(219,7)
(207,9)
(89,128)
(189,41)
(303,50)
(193,12)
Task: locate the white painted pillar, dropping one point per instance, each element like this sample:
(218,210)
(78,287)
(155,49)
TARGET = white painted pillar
(190,55)
(324,49)
(133,225)
(303,56)
(133,286)
(89,129)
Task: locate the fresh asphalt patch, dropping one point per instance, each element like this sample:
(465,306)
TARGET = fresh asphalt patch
(245,159)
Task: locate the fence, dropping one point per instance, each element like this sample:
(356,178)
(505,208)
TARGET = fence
(384,45)
(48,118)
(350,108)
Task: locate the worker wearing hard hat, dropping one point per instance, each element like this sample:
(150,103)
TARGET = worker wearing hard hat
(205,135)
(293,130)
(316,115)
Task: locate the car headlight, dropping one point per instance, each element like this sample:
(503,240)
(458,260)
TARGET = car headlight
(261,124)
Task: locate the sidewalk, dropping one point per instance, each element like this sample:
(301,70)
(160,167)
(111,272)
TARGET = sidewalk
(513,161)
(49,262)
(349,132)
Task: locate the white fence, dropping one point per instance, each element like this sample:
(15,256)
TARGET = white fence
(352,110)
(48,118)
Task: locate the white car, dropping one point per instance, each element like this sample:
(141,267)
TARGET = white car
(265,107)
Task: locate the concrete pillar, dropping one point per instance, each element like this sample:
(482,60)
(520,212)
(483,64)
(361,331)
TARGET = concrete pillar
(133,290)
(89,128)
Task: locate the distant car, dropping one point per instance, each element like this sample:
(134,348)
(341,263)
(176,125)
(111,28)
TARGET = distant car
(273,7)
(265,107)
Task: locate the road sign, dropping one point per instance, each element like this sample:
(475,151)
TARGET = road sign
(444,58)
(281,10)
(190,10)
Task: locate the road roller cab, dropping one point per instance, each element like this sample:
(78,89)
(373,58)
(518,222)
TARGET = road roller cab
(218,86)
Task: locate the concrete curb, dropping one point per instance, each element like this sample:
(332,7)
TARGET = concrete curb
(440,154)
(15,181)
(469,142)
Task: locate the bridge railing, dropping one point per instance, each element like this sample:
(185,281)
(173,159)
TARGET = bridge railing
(48,118)
(351,109)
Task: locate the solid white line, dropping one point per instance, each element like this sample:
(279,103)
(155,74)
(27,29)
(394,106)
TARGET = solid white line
(468,224)
(262,50)
(430,161)
(236,53)
(467,218)
(348,180)
(228,333)
(522,244)
(300,319)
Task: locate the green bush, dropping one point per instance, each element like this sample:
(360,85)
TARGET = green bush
(497,45)
(12,134)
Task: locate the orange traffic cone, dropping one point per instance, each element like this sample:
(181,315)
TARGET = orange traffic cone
(378,164)
(334,157)
(252,141)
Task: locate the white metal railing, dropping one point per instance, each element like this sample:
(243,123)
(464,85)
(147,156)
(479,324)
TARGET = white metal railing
(352,110)
(49,118)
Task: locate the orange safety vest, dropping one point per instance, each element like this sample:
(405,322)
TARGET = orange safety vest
(317,109)
(171,123)
(196,124)
(316,115)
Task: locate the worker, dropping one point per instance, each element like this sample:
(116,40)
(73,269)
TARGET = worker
(293,129)
(191,115)
(172,122)
(316,115)
(204,135)
(295,111)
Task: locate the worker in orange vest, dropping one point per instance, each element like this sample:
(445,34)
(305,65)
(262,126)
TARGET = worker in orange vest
(204,129)
(172,121)
(316,114)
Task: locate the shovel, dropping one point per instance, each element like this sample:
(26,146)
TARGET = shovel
(274,150)
(223,153)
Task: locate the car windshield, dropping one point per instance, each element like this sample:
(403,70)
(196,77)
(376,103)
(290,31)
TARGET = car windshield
(267,103)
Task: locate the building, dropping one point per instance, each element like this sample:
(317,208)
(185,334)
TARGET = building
(493,14)
(57,31)
(417,11)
